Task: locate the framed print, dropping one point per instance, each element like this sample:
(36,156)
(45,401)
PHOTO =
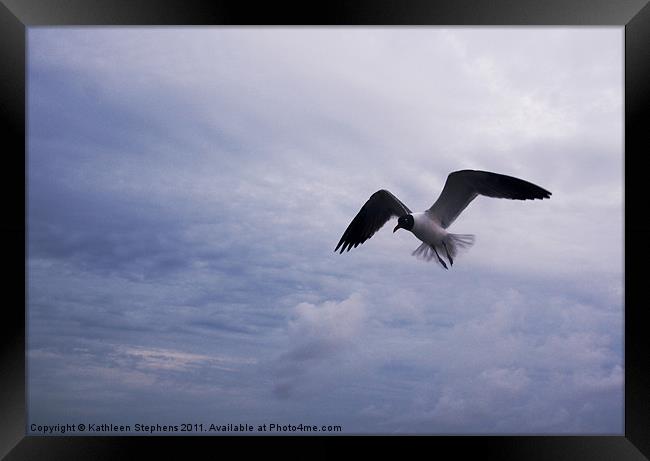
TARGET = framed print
(189,171)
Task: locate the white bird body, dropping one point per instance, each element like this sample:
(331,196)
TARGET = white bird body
(427,229)
(430,226)
(436,240)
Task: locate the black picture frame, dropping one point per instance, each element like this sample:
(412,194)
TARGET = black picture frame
(17,15)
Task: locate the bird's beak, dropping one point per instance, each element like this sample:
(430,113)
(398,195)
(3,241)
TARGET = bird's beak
(397,227)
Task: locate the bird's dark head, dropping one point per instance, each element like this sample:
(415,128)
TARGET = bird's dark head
(404,222)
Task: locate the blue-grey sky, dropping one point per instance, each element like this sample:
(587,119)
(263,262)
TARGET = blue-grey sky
(187,186)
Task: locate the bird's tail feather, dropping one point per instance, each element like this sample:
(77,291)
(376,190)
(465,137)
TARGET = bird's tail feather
(449,248)
(424,251)
(457,242)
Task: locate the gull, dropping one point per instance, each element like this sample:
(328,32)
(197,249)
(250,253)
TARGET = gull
(430,226)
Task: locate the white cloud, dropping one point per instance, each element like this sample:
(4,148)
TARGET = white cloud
(319,335)
(163,359)
(512,380)
(332,323)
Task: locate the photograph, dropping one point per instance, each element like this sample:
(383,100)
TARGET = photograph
(272,231)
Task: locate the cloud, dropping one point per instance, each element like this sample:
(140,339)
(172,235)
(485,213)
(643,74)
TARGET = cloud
(161,359)
(316,334)
(513,380)
(330,324)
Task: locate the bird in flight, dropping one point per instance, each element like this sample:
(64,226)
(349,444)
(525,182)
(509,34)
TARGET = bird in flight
(430,226)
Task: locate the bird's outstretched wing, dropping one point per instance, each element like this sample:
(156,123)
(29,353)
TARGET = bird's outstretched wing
(380,207)
(464,186)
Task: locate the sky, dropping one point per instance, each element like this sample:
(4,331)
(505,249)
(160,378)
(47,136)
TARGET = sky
(187,186)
